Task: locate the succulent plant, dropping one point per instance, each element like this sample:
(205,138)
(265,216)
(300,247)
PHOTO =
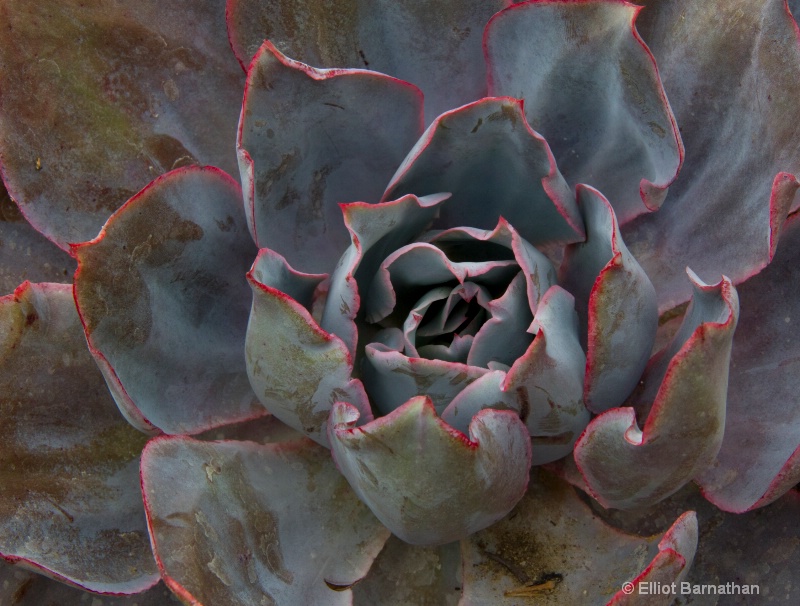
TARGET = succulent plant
(466,314)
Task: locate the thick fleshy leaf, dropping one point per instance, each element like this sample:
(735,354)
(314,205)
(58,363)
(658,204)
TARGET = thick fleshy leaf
(616,305)
(454,304)
(671,564)
(457,351)
(376,230)
(552,545)
(760,455)
(591,87)
(242,524)
(296,369)
(99,99)
(725,211)
(70,505)
(544,386)
(406,574)
(625,467)
(503,338)
(392,378)
(421,42)
(466,243)
(411,268)
(22,588)
(312,138)
(24,253)
(468,482)
(164,302)
(488,157)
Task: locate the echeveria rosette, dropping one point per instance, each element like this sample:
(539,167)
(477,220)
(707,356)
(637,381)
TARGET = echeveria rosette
(444,354)
(416,307)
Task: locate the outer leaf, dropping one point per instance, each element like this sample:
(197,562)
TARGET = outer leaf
(673,561)
(24,253)
(760,456)
(756,550)
(98,99)
(422,42)
(312,138)
(616,304)
(625,467)
(591,87)
(543,550)
(742,55)
(240,524)
(544,386)
(22,588)
(468,484)
(297,369)
(164,303)
(69,498)
(488,157)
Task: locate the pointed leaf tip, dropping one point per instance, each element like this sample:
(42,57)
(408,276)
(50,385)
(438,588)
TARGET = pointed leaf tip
(540,551)
(627,467)
(615,301)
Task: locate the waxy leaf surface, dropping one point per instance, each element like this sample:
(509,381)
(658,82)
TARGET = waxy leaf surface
(544,386)
(625,466)
(724,212)
(376,230)
(392,378)
(468,482)
(243,524)
(99,98)
(494,165)
(616,305)
(760,456)
(70,505)
(427,43)
(312,138)
(297,370)
(757,550)
(164,301)
(591,88)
